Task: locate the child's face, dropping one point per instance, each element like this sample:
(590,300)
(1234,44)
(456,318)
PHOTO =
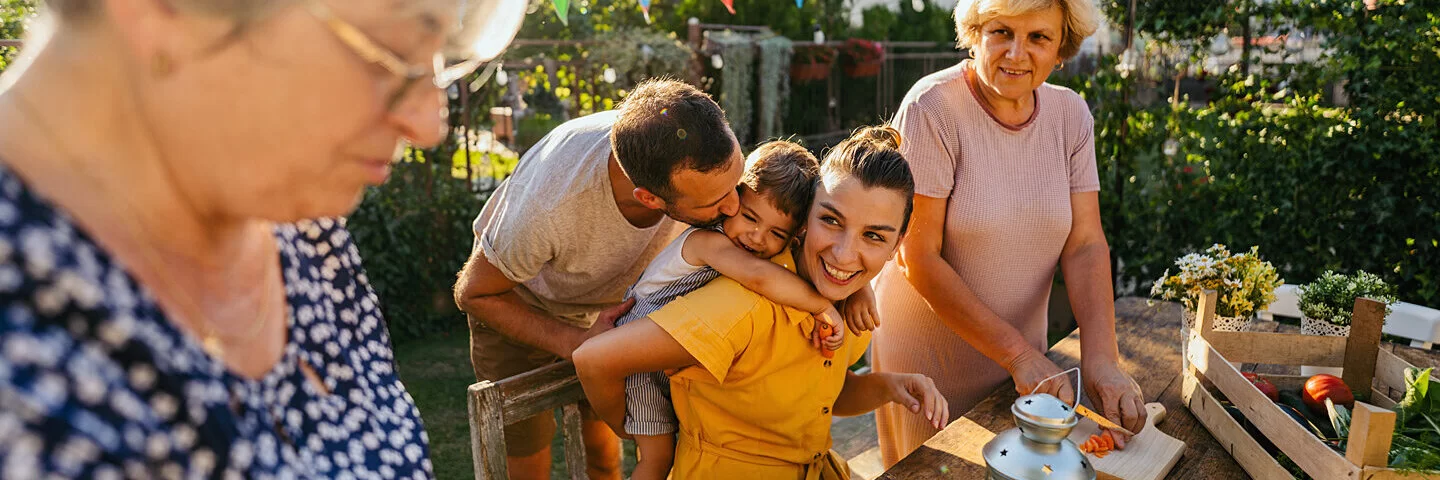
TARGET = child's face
(759,227)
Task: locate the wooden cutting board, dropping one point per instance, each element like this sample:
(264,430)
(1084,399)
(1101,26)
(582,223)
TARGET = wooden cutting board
(1148,456)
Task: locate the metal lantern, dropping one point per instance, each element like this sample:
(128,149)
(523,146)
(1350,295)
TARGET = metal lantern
(1036,449)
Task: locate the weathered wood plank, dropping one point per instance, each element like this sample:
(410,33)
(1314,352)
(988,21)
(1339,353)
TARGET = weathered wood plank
(1250,347)
(1389,374)
(574,442)
(487,431)
(1363,344)
(1370,430)
(541,390)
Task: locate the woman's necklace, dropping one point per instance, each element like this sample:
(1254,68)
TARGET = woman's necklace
(210,340)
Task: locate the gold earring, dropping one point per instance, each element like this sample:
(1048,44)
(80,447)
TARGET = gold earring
(161,66)
(1061,66)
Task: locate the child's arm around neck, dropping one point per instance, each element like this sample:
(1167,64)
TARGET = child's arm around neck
(713,249)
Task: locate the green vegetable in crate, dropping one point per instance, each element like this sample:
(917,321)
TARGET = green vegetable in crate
(1323,386)
(1300,418)
(1314,423)
(1416,444)
(1339,420)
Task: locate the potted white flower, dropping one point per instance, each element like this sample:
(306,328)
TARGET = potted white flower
(1327,303)
(1245,284)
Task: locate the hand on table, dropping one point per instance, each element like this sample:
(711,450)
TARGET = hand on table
(1117,397)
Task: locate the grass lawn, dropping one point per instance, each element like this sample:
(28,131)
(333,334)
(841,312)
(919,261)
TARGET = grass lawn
(436,371)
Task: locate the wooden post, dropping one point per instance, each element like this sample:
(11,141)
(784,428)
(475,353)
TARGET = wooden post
(487,431)
(1371,428)
(574,445)
(1205,312)
(1363,346)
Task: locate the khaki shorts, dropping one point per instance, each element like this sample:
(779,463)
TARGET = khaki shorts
(494,358)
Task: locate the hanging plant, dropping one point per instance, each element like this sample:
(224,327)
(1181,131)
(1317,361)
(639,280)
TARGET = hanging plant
(736,72)
(811,62)
(862,58)
(639,53)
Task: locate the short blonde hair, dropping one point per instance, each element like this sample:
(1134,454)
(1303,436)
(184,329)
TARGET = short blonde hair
(1081,19)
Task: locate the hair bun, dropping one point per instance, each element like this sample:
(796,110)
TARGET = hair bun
(881,134)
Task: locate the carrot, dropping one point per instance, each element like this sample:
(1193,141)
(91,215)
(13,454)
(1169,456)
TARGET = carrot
(1107,440)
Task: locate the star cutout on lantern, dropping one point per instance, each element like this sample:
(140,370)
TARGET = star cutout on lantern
(1027,402)
(1004,452)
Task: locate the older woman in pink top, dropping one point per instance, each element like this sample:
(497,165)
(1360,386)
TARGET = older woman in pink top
(1006,190)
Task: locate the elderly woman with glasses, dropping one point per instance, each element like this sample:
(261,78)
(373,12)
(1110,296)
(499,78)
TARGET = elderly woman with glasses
(1006,191)
(176,297)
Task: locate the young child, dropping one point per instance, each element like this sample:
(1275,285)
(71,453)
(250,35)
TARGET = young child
(775,194)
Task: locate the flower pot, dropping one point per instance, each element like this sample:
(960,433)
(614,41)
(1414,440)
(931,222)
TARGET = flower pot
(809,72)
(867,68)
(1310,326)
(1222,324)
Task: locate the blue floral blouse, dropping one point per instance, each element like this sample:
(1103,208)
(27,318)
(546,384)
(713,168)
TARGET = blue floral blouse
(96,383)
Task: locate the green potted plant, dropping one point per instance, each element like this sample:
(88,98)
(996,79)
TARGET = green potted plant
(811,62)
(1245,284)
(862,58)
(1327,303)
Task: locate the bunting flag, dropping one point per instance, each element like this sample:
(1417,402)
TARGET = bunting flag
(562,8)
(645,8)
(729,5)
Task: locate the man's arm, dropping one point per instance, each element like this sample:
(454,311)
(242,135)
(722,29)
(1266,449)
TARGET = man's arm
(485,293)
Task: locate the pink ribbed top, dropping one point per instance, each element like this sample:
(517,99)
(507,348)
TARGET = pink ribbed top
(1008,215)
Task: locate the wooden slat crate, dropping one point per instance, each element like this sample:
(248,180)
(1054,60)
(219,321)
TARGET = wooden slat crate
(1211,352)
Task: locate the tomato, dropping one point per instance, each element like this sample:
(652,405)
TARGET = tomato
(1323,386)
(1263,385)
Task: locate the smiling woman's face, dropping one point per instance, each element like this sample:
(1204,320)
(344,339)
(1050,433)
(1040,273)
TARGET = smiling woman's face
(1017,53)
(850,234)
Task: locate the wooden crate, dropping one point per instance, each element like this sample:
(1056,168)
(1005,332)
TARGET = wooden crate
(1210,354)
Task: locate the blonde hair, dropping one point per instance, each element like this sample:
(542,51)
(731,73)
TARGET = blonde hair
(1081,19)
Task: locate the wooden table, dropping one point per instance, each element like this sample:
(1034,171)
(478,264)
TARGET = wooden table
(1149,339)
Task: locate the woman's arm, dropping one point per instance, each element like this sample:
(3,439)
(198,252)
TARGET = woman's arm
(762,276)
(863,393)
(1085,262)
(603,362)
(961,310)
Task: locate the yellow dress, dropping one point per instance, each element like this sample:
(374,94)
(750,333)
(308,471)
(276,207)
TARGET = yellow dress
(758,405)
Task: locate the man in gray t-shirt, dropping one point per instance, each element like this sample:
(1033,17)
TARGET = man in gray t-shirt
(559,242)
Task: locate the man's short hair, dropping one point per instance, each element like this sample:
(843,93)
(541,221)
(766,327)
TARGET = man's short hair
(666,125)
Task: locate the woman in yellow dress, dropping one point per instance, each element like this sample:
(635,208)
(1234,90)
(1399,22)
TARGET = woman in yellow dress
(753,395)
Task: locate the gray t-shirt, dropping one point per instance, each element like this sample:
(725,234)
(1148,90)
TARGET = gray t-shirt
(554,227)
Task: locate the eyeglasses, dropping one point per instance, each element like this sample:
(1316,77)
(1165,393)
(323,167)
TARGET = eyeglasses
(442,74)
